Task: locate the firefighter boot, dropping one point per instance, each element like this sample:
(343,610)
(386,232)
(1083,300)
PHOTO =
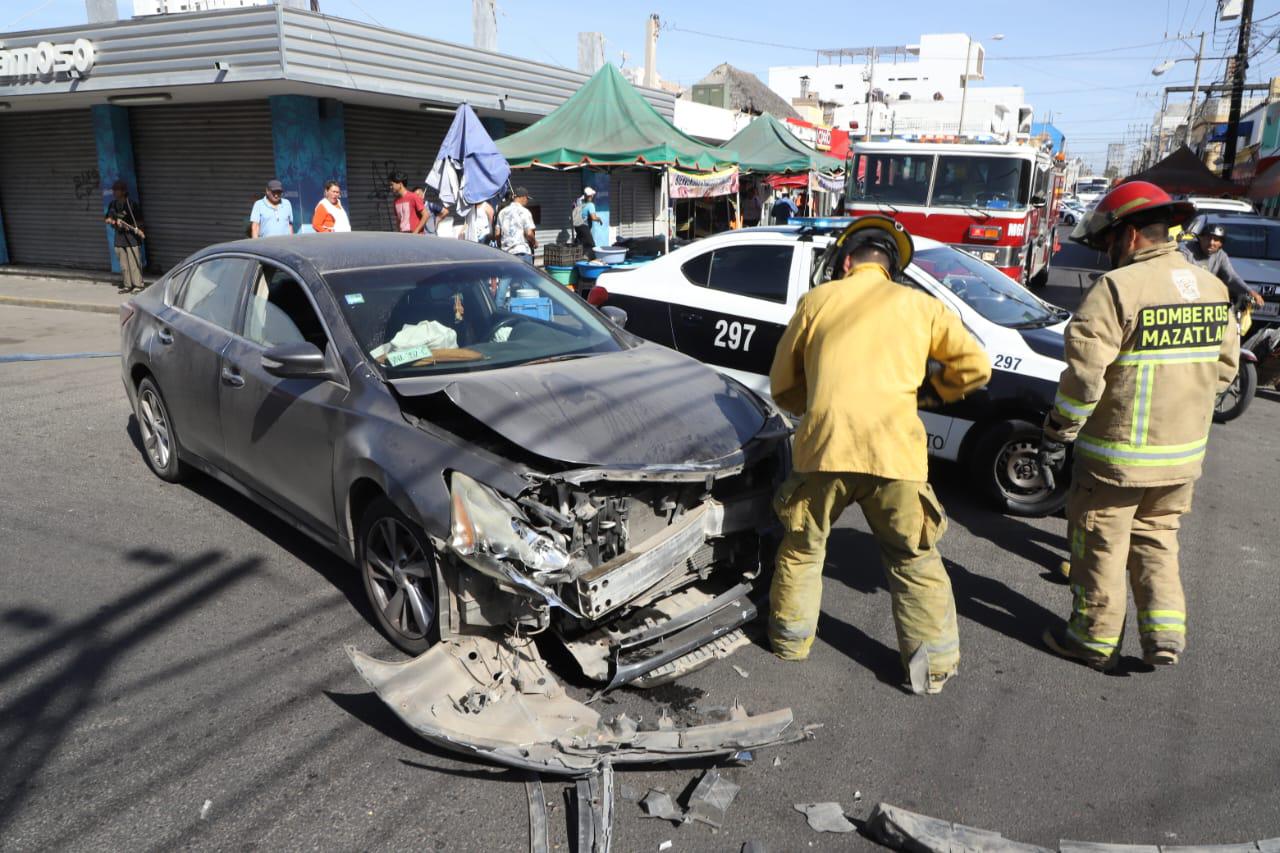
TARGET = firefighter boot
(1153,573)
(807,505)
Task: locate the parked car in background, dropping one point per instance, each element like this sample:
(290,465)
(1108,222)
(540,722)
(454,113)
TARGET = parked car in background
(1070,210)
(726,300)
(492,454)
(1253,243)
(1209,204)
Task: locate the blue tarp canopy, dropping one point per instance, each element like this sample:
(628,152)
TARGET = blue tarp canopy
(468,168)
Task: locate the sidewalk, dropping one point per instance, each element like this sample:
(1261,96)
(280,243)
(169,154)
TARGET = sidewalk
(80,291)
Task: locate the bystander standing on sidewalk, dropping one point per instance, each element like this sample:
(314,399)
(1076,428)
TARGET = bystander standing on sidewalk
(272,214)
(479,224)
(515,227)
(408,205)
(125,217)
(330,216)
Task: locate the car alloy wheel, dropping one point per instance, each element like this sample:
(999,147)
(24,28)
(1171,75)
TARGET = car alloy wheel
(399,577)
(1005,459)
(159,440)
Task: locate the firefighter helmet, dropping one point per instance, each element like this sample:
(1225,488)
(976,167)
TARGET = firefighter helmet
(1128,199)
(883,233)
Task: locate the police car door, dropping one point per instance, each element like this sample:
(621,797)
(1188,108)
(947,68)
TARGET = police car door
(738,307)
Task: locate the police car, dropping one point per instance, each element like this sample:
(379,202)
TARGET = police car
(725,300)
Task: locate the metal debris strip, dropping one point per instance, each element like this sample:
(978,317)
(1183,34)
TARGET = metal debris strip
(711,798)
(826,817)
(594,804)
(537,815)
(917,833)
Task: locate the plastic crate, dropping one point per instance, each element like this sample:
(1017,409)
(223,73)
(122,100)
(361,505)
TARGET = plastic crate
(560,255)
(538,307)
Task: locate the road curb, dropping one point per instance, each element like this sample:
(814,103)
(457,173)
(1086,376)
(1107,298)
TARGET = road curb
(59,304)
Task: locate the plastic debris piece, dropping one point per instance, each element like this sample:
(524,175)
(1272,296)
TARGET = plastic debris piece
(537,814)
(1092,847)
(666,845)
(658,803)
(204,809)
(777,761)
(825,817)
(742,757)
(857,795)
(741,671)
(904,830)
(753,846)
(711,798)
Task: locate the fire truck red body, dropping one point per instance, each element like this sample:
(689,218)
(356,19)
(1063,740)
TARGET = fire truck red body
(999,202)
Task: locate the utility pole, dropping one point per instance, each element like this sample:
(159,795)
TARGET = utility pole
(651,52)
(964,87)
(871,82)
(1237,89)
(1195,92)
(1164,106)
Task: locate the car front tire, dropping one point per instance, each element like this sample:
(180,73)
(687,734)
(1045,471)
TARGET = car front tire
(1005,463)
(397,564)
(159,439)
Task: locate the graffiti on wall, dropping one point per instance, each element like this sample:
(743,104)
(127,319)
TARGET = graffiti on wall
(85,184)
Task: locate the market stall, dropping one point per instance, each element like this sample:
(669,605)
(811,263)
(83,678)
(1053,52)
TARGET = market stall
(772,158)
(608,130)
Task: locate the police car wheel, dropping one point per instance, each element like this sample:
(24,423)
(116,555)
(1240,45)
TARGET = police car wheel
(1232,402)
(1005,463)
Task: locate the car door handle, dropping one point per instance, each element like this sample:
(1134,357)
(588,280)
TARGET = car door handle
(165,336)
(690,317)
(232,377)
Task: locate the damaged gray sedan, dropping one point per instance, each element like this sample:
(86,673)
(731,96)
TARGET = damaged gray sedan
(496,457)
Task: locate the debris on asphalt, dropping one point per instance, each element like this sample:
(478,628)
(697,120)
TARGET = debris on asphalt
(741,671)
(777,761)
(1094,847)
(628,794)
(537,815)
(857,795)
(711,798)
(742,758)
(658,803)
(753,847)
(917,833)
(593,799)
(825,817)
(666,845)
(204,809)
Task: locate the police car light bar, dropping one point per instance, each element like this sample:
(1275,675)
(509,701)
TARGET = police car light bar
(820,224)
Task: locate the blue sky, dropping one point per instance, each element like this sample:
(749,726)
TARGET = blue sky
(1099,97)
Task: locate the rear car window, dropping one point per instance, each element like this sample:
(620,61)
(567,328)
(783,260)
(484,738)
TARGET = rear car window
(212,292)
(761,272)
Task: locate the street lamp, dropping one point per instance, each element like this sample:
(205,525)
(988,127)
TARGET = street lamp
(964,81)
(1167,65)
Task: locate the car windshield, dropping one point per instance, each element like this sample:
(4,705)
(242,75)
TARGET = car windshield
(891,178)
(446,318)
(1260,241)
(993,183)
(987,290)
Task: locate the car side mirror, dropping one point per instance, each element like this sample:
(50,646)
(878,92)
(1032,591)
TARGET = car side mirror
(295,361)
(616,315)
(1038,200)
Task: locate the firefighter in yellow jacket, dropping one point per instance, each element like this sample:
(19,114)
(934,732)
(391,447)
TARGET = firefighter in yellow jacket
(851,362)
(1149,349)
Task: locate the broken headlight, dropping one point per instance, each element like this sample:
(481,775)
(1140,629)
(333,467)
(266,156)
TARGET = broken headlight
(486,526)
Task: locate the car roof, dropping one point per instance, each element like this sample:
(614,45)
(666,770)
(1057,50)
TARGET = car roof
(794,231)
(358,250)
(1237,216)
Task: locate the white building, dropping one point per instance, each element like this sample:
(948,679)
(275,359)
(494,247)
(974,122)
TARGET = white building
(917,88)
(170,7)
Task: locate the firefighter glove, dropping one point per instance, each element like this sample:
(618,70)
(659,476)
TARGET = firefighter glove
(1052,457)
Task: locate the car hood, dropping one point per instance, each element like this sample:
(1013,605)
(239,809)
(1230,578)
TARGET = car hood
(1257,270)
(642,406)
(1048,342)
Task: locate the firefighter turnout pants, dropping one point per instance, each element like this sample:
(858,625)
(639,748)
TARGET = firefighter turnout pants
(907,522)
(1117,531)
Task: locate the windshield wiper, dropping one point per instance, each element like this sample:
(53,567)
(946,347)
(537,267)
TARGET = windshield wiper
(567,357)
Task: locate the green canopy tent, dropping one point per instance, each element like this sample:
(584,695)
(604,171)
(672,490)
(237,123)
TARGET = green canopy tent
(767,147)
(607,123)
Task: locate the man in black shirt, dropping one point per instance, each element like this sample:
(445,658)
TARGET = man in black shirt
(125,217)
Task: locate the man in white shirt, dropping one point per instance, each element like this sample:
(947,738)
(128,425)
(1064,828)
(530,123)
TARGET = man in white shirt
(515,223)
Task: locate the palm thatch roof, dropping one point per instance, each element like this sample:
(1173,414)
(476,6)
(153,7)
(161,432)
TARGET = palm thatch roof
(745,91)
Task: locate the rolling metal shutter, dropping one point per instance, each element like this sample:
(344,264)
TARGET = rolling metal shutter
(553,194)
(200,169)
(379,142)
(633,202)
(50,193)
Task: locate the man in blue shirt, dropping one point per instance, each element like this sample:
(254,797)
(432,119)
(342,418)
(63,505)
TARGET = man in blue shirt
(783,209)
(584,214)
(272,214)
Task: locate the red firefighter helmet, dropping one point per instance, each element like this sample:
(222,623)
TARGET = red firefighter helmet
(1124,201)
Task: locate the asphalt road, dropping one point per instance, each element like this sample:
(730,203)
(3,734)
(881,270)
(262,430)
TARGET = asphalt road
(167,647)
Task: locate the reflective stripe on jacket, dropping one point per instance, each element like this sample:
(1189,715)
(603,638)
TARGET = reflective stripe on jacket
(851,361)
(1152,344)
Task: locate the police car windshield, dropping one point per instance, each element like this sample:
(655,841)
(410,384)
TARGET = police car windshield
(987,290)
(446,318)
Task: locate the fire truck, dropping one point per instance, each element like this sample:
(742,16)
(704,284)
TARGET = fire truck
(999,202)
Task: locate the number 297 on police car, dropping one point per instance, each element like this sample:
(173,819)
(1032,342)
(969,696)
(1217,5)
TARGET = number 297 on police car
(734,335)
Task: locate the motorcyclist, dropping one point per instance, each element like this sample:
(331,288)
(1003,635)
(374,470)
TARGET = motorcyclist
(1206,252)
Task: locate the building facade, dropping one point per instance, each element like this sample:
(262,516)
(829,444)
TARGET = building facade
(196,111)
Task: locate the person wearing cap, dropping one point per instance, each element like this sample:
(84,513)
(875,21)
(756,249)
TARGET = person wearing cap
(851,364)
(1147,352)
(584,213)
(1206,251)
(125,218)
(515,227)
(272,214)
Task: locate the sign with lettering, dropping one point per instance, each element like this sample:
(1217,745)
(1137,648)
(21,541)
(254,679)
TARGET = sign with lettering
(46,60)
(704,185)
(1163,327)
